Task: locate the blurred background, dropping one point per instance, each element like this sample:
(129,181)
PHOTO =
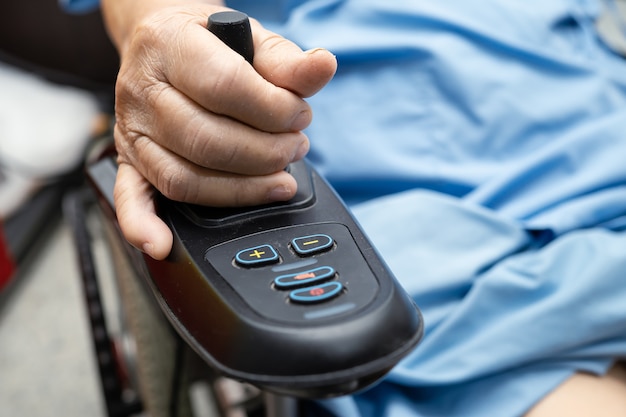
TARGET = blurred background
(56,82)
(46,359)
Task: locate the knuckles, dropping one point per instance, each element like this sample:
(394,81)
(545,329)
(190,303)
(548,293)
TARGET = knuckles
(170,181)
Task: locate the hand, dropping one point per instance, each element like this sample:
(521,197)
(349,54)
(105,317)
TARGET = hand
(197,122)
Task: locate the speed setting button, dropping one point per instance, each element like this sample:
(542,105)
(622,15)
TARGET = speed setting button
(308,245)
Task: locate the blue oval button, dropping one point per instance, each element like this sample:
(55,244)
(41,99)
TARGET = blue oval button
(307,245)
(315,294)
(257,255)
(305,277)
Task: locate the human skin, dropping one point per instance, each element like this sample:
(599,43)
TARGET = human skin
(195,121)
(584,395)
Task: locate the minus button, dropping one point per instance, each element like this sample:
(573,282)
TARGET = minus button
(307,245)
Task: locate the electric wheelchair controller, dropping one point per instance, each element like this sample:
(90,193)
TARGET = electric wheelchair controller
(291,297)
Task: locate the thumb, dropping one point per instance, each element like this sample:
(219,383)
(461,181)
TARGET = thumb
(136,214)
(285,65)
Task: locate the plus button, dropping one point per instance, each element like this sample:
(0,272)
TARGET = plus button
(256,256)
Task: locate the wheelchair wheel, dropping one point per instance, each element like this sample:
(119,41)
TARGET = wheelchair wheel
(149,353)
(145,368)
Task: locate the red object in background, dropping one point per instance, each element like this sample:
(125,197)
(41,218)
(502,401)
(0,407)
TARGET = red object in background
(7,265)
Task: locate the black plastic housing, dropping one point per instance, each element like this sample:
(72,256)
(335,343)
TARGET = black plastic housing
(236,319)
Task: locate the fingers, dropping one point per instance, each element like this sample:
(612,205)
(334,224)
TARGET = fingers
(206,139)
(267,97)
(284,64)
(134,204)
(222,82)
(181,180)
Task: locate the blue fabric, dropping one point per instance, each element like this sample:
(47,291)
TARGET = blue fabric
(482,146)
(507,316)
(79,6)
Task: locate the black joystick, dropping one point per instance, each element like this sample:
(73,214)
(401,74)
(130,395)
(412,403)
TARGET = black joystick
(233,28)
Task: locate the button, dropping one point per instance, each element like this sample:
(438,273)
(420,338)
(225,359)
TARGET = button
(315,294)
(307,245)
(258,255)
(305,277)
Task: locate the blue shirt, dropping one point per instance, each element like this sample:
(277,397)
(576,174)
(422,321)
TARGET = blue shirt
(482,146)
(79,6)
